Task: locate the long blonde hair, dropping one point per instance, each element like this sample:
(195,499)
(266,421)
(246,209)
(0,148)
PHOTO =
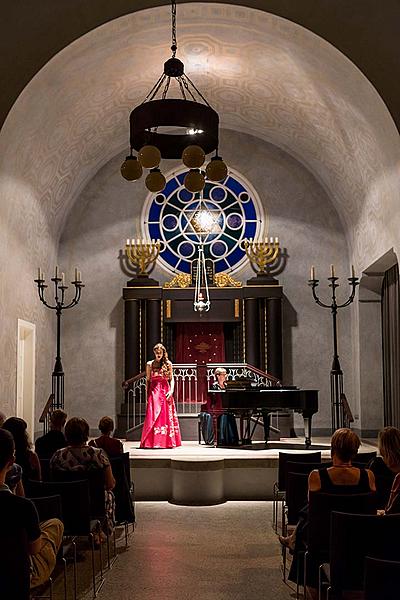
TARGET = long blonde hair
(164,362)
(389,446)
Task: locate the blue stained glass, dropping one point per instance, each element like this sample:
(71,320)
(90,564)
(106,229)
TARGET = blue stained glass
(154,230)
(249,211)
(230,217)
(218,248)
(250,230)
(183,266)
(235,256)
(169,257)
(172,184)
(155,211)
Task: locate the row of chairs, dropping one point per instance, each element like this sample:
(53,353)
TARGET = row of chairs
(308,461)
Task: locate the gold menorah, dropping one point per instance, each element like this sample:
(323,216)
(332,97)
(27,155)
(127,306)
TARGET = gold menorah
(142,253)
(262,252)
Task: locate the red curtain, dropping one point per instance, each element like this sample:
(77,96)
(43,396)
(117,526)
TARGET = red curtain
(200,343)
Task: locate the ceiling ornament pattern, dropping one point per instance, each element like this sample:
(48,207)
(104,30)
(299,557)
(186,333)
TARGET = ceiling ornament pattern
(266,76)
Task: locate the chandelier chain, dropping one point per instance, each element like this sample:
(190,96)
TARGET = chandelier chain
(174,45)
(152,93)
(198,91)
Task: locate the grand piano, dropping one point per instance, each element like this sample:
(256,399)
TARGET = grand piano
(251,397)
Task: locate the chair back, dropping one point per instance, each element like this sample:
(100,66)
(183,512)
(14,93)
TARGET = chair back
(75,502)
(381,579)
(296,495)
(320,508)
(284,457)
(124,511)
(363,458)
(48,507)
(14,564)
(95,479)
(355,536)
(45,468)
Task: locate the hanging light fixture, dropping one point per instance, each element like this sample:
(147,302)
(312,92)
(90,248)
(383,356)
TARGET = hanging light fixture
(172,128)
(201,294)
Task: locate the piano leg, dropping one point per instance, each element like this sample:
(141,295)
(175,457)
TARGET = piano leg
(215,427)
(307,431)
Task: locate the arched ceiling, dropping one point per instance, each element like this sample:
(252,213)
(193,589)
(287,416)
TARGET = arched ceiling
(265,75)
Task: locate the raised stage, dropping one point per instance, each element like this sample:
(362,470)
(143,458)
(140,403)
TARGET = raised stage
(200,474)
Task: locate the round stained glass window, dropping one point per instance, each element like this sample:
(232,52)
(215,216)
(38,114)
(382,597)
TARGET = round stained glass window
(220,218)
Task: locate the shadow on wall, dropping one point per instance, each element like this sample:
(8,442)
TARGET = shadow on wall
(117,323)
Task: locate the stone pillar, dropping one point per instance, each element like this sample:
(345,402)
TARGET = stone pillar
(274,337)
(252,332)
(153,326)
(132,338)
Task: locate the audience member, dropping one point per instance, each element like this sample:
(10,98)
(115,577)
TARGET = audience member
(79,456)
(111,445)
(44,539)
(341,478)
(14,480)
(25,457)
(389,448)
(54,439)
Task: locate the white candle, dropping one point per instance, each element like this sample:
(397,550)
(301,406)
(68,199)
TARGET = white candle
(352,271)
(271,240)
(276,240)
(62,279)
(56,271)
(127,242)
(312,272)
(332,270)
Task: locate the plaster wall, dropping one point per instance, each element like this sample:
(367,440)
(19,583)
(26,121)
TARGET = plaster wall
(108,211)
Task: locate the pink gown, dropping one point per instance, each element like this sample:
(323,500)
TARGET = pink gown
(161,426)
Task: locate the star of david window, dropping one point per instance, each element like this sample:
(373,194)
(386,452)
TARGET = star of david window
(221,218)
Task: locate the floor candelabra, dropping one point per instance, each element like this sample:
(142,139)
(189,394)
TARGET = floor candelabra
(336,376)
(59,305)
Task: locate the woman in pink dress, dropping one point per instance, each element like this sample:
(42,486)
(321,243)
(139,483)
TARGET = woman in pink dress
(161,426)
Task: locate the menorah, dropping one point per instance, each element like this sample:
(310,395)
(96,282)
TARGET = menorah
(336,375)
(261,253)
(141,253)
(59,306)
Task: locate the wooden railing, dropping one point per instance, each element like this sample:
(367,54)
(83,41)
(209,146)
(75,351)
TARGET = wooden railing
(191,384)
(45,416)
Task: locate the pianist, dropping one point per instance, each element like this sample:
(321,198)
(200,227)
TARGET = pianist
(227,428)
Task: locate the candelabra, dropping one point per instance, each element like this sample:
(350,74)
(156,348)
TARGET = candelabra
(336,375)
(261,253)
(141,254)
(59,306)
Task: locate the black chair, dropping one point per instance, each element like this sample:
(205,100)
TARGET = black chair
(124,508)
(279,487)
(295,501)
(320,508)
(363,458)
(352,538)
(76,510)
(382,578)
(49,507)
(14,564)
(45,468)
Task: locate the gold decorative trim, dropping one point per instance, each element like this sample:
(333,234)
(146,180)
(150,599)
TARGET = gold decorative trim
(181,280)
(225,280)
(168,309)
(237,308)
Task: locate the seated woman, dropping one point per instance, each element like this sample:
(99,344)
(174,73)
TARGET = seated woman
(79,456)
(227,428)
(109,444)
(25,457)
(389,449)
(340,478)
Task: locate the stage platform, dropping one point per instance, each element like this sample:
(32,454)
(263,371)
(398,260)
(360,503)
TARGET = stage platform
(199,474)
